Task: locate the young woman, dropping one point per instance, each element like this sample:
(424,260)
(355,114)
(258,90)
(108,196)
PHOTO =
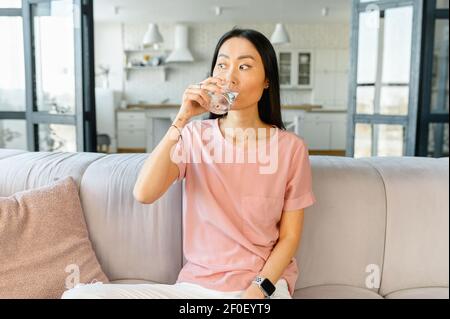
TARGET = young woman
(243,219)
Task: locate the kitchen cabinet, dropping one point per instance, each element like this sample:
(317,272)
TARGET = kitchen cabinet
(325,60)
(330,88)
(317,135)
(295,68)
(324,131)
(338,134)
(131,130)
(324,88)
(143,130)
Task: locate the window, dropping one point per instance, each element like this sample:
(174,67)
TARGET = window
(46,63)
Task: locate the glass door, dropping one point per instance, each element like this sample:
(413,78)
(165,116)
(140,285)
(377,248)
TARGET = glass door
(433,132)
(13,128)
(285,66)
(304,69)
(384,81)
(59,76)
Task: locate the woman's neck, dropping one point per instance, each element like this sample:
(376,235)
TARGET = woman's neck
(244,118)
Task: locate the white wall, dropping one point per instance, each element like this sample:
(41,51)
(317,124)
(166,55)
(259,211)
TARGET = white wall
(147,85)
(108,51)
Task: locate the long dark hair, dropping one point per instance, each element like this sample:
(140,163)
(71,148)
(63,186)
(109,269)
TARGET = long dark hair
(269,106)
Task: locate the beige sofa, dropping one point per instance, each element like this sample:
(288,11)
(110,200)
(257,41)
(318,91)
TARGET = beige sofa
(373,216)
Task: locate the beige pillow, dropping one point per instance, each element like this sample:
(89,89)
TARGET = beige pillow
(44,243)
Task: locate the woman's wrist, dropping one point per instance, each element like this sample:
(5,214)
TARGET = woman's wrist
(253,292)
(177,126)
(181,120)
(258,289)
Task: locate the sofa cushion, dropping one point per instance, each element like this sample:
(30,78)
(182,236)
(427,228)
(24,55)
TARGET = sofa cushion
(335,292)
(420,293)
(45,247)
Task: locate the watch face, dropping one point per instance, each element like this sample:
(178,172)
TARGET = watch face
(268,286)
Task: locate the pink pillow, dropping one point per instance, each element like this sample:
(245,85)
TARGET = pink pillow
(44,243)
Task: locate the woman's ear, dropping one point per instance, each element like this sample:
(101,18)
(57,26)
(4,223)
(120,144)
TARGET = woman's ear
(266,86)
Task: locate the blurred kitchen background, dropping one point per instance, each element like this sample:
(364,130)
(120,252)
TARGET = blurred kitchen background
(358,78)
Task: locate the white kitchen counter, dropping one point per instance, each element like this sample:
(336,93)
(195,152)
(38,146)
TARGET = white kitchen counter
(143,128)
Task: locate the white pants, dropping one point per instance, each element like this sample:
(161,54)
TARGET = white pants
(181,290)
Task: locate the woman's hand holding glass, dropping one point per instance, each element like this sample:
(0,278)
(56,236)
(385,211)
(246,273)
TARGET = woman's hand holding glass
(197,98)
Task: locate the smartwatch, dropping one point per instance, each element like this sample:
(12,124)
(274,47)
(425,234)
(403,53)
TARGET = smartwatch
(265,285)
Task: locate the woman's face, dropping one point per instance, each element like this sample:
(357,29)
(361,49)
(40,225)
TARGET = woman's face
(240,64)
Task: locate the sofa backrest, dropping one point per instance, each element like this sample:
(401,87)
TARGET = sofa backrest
(132,240)
(416,252)
(373,214)
(343,231)
(386,215)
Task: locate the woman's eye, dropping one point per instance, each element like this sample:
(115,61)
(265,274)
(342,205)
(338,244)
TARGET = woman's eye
(222,65)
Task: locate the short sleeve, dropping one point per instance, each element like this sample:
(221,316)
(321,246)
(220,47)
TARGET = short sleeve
(299,194)
(180,153)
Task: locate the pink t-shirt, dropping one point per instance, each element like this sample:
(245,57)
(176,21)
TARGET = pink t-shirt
(232,207)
